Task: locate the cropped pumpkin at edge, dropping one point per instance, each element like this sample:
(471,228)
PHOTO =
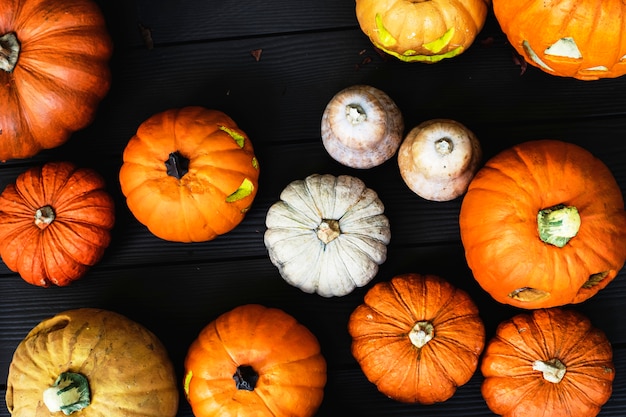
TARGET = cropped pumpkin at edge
(189,174)
(255,360)
(582,39)
(54,71)
(543,225)
(423,31)
(55,223)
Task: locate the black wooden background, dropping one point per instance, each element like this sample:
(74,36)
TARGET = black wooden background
(202,53)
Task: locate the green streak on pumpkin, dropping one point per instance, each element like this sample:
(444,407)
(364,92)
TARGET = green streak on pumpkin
(385,37)
(239,138)
(187,382)
(438,44)
(69,393)
(245,189)
(255,163)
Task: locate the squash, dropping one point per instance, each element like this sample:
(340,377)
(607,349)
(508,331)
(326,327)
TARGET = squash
(543,225)
(362,127)
(255,360)
(91,362)
(417,338)
(327,234)
(549,362)
(54,72)
(438,158)
(189,175)
(422,31)
(55,223)
(583,39)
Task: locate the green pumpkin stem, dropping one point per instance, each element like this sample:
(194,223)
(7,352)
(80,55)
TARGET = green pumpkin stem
(558,224)
(177,165)
(245,378)
(9,51)
(69,393)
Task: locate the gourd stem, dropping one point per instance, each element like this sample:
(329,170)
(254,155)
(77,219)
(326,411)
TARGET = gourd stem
(355,114)
(558,224)
(69,393)
(44,216)
(421,333)
(9,51)
(177,165)
(245,378)
(328,230)
(553,370)
(444,146)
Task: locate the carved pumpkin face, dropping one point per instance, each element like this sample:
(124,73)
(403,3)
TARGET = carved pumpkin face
(581,39)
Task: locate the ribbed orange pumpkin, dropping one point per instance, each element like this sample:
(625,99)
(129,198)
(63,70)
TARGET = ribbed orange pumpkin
(189,174)
(584,39)
(255,361)
(547,363)
(543,225)
(55,223)
(417,338)
(53,72)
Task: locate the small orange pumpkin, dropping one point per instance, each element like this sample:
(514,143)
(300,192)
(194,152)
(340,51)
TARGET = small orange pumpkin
(417,338)
(422,31)
(189,174)
(255,360)
(53,72)
(543,225)
(583,39)
(550,362)
(55,223)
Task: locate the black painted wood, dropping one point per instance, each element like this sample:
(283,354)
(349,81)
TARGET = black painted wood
(191,52)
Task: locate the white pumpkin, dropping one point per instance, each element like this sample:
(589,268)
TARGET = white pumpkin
(327,235)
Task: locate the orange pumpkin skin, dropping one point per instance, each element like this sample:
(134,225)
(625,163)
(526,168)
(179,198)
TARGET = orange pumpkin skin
(255,341)
(55,223)
(51,85)
(390,338)
(208,200)
(499,222)
(594,27)
(422,31)
(547,342)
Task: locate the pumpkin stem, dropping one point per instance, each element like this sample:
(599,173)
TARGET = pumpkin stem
(9,51)
(553,370)
(355,114)
(558,224)
(177,165)
(328,230)
(44,216)
(245,377)
(444,146)
(69,393)
(421,333)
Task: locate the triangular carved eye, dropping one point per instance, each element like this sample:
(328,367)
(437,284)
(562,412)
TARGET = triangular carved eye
(564,47)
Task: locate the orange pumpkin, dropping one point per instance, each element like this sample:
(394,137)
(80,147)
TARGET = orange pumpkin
(53,72)
(422,31)
(255,360)
(189,174)
(417,338)
(550,362)
(543,225)
(583,39)
(55,223)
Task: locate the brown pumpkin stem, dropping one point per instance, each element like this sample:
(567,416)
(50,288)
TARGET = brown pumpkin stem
(553,370)
(245,377)
(177,165)
(355,114)
(69,393)
(328,230)
(421,333)
(558,224)
(44,216)
(9,51)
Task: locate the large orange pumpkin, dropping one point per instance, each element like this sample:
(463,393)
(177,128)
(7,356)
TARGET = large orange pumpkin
(583,39)
(543,225)
(53,72)
(422,31)
(189,174)
(55,223)
(550,362)
(255,361)
(417,338)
